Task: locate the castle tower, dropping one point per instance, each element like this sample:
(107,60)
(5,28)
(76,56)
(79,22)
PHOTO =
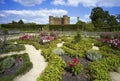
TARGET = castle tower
(51,20)
(59,20)
(66,19)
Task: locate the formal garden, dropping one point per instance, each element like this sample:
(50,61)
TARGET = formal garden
(85,51)
(69,57)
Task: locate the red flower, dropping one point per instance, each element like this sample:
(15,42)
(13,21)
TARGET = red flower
(74,62)
(71,64)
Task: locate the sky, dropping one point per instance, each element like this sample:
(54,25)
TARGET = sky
(38,11)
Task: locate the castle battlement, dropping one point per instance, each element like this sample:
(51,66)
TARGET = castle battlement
(59,20)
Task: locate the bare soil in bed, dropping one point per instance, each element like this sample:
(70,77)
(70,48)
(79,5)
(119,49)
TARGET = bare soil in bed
(83,76)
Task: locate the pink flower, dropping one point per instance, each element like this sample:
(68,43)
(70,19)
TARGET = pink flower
(26,37)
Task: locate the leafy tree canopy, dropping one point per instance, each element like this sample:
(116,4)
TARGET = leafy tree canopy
(101,18)
(20,22)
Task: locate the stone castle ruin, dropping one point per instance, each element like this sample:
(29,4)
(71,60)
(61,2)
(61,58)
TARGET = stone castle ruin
(65,20)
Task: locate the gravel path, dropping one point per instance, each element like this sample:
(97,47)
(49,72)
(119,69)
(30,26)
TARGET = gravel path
(12,53)
(39,65)
(115,76)
(37,60)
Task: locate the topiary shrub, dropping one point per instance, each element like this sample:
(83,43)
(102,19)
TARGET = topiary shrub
(7,63)
(93,55)
(77,37)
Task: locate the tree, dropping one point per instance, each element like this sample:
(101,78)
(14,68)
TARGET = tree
(112,21)
(101,18)
(118,17)
(89,26)
(14,22)
(20,22)
(98,17)
(81,23)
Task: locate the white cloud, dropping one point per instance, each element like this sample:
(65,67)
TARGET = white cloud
(109,3)
(86,18)
(87,3)
(29,2)
(58,2)
(83,2)
(37,16)
(73,20)
(2,15)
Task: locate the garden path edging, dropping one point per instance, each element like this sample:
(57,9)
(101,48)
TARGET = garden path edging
(38,62)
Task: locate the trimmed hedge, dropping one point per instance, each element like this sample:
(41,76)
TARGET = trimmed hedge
(54,69)
(71,27)
(27,65)
(77,49)
(27,27)
(22,27)
(11,47)
(99,70)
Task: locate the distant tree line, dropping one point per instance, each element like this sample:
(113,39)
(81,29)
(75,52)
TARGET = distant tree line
(19,22)
(101,20)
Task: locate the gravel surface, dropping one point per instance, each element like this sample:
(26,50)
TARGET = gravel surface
(39,65)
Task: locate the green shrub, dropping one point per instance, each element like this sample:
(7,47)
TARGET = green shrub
(77,38)
(55,67)
(66,39)
(25,67)
(7,63)
(99,44)
(70,45)
(80,48)
(99,70)
(109,51)
(12,47)
(93,55)
(68,51)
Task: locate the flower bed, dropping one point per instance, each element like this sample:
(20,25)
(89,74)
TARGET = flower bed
(21,65)
(26,37)
(111,39)
(98,70)
(114,43)
(76,69)
(11,47)
(46,39)
(55,68)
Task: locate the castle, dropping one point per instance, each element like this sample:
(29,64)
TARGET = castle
(59,20)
